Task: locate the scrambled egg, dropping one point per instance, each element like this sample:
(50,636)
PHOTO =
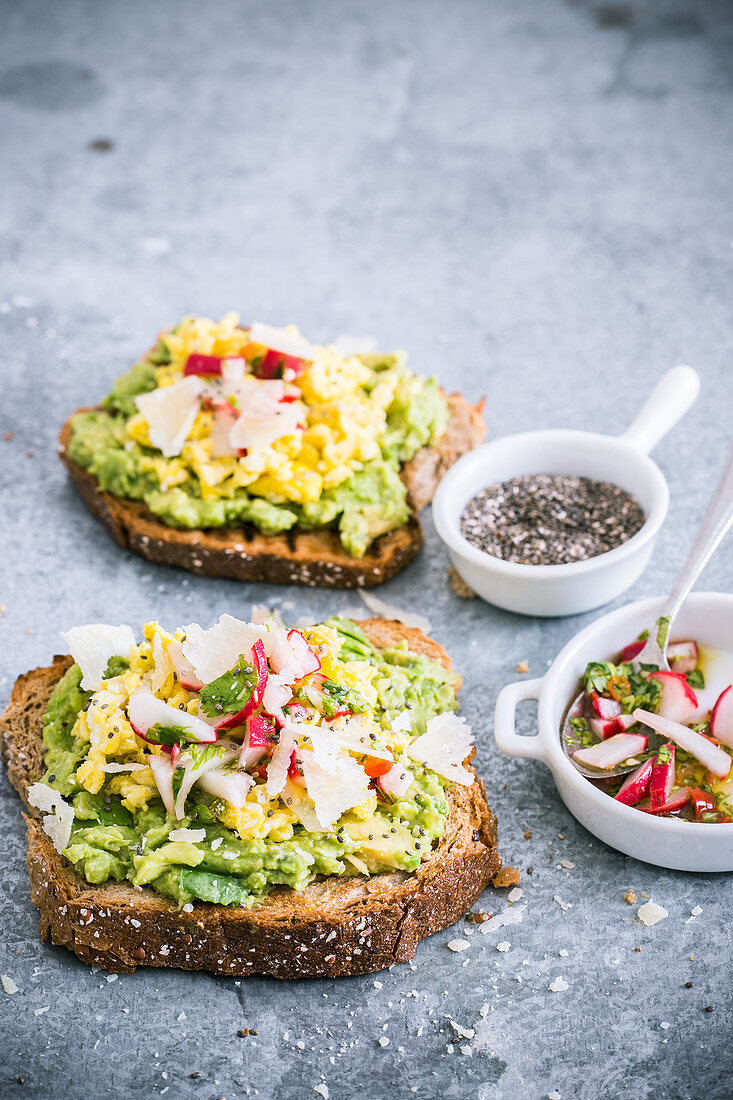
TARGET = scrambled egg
(113,741)
(343,423)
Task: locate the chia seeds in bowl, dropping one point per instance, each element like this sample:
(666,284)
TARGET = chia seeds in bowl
(550,519)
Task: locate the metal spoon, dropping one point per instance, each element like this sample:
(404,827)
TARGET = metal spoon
(716,522)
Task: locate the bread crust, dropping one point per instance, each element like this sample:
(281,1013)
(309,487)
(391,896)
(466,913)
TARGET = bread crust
(311,558)
(335,927)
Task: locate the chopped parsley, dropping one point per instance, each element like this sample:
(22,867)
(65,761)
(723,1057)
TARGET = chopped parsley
(230,692)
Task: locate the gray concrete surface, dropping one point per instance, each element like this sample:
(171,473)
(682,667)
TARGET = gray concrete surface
(532,197)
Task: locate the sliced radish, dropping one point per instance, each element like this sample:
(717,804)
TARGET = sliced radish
(162,769)
(304,654)
(633,649)
(259,660)
(683,656)
(607,728)
(721,721)
(187,678)
(675,802)
(662,779)
(605,708)
(710,756)
(607,754)
(397,781)
(258,738)
(703,802)
(202,364)
(636,785)
(146,710)
(233,787)
(678,701)
(275,363)
(276,694)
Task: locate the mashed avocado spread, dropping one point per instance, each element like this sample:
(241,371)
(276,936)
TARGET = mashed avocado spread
(325,756)
(222,425)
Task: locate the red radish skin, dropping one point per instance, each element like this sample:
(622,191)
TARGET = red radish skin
(702,801)
(259,660)
(605,729)
(721,721)
(202,364)
(636,786)
(607,754)
(275,363)
(304,653)
(675,802)
(260,731)
(630,651)
(683,656)
(662,780)
(710,756)
(678,701)
(605,708)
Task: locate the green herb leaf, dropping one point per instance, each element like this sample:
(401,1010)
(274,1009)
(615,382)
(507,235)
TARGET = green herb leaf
(230,692)
(662,630)
(696,679)
(336,697)
(166,735)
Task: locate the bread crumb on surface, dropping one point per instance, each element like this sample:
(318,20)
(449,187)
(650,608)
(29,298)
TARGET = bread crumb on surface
(458,945)
(651,913)
(459,586)
(505,876)
(630,897)
(523,666)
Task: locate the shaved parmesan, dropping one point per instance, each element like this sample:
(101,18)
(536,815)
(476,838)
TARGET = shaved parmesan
(444,746)
(232,370)
(251,431)
(224,420)
(170,412)
(231,786)
(112,769)
(302,806)
(277,769)
(287,340)
(402,722)
(351,734)
(335,783)
(59,816)
(215,651)
(188,836)
(163,665)
(92,646)
(385,610)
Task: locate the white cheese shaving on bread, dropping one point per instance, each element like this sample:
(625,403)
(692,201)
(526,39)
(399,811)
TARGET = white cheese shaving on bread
(188,836)
(277,769)
(170,412)
(92,645)
(336,783)
(215,651)
(444,746)
(59,816)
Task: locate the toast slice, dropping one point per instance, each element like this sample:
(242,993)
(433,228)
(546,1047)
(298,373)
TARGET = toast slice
(335,927)
(312,558)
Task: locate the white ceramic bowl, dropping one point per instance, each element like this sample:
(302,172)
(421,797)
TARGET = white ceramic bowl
(579,586)
(666,842)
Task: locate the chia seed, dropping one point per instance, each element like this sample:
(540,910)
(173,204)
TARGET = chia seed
(550,519)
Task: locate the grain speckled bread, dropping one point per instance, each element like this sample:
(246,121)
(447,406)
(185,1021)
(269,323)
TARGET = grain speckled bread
(337,926)
(313,558)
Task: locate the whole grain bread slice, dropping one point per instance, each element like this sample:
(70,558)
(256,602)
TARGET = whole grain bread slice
(312,558)
(336,927)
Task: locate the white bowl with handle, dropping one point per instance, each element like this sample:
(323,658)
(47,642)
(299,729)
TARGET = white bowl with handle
(707,617)
(569,589)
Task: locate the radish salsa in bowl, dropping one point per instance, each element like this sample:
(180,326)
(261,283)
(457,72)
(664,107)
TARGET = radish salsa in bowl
(673,729)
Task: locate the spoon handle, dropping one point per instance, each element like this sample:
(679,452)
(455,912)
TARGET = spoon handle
(718,519)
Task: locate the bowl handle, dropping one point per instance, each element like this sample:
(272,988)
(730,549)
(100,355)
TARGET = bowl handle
(674,393)
(505,733)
